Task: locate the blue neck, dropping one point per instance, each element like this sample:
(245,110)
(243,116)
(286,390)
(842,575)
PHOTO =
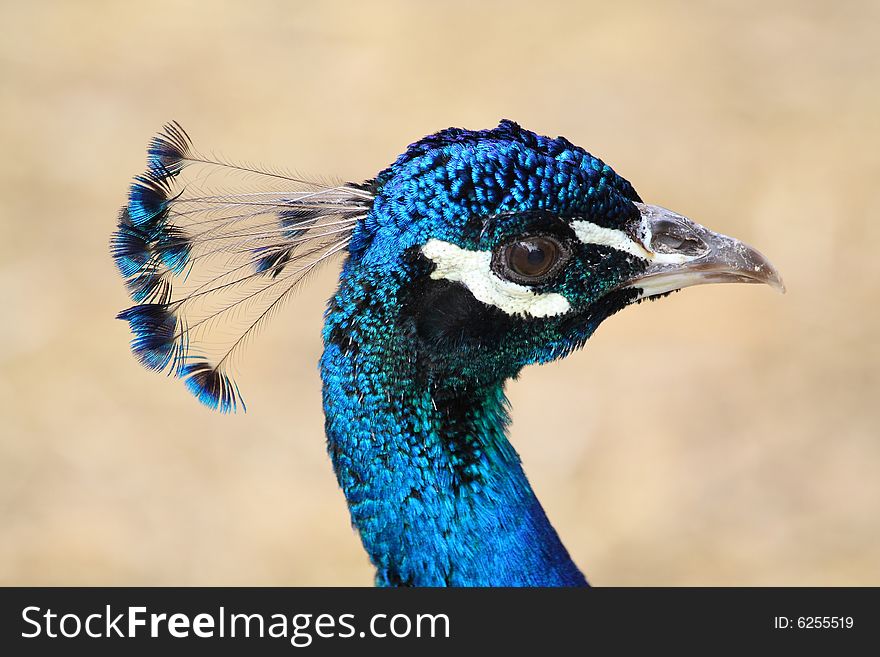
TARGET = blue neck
(433,486)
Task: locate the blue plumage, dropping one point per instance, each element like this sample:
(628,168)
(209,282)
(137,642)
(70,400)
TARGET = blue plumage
(169,152)
(433,486)
(212,387)
(435,489)
(153,327)
(474,254)
(129,247)
(148,200)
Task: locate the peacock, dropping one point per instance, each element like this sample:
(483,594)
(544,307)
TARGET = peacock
(474,254)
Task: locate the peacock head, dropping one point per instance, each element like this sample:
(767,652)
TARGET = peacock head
(476,253)
(505,248)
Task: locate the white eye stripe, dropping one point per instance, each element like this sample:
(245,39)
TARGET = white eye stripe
(474,270)
(590,233)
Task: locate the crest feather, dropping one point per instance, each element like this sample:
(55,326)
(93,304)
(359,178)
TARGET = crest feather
(209,249)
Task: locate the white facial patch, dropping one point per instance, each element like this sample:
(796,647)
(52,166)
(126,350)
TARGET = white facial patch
(590,233)
(473,269)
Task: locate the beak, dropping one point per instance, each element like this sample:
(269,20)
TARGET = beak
(683,253)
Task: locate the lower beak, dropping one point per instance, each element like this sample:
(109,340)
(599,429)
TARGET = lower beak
(683,253)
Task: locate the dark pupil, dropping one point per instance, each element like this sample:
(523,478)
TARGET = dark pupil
(536,255)
(533,257)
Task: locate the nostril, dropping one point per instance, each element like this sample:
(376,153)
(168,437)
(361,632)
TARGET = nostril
(666,243)
(671,239)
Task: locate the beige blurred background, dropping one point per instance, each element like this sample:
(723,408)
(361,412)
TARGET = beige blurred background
(726,435)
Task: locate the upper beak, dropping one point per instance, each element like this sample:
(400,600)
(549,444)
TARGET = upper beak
(684,253)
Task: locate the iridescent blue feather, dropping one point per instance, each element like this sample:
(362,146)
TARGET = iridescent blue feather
(148,199)
(169,151)
(129,246)
(154,327)
(212,387)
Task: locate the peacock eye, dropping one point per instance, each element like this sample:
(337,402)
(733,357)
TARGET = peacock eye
(530,260)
